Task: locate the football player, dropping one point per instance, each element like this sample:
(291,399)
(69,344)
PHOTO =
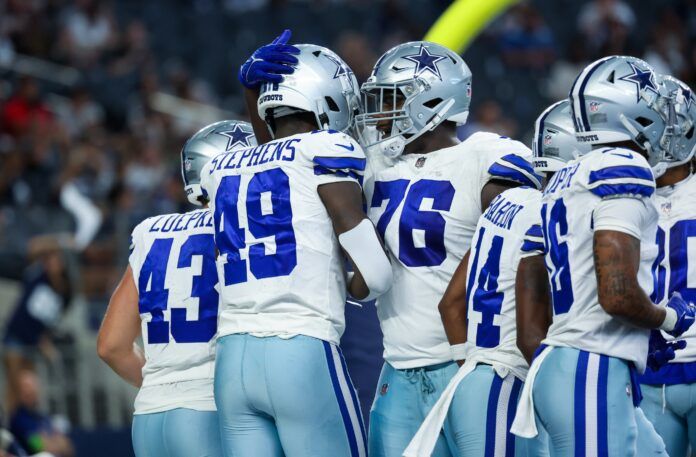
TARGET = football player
(599,226)
(668,399)
(284,213)
(169,295)
(425,205)
(503,285)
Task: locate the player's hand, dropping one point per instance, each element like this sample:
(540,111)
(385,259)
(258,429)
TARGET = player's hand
(686,314)
(660,351)
(269,63)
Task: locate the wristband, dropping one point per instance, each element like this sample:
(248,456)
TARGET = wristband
(459,351)
(670,320)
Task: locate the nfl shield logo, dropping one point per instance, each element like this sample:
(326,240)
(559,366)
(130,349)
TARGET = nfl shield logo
(383,389)
(594,107)
(420,162)
(667,207)
(547,139)
(188,163)
(468,90)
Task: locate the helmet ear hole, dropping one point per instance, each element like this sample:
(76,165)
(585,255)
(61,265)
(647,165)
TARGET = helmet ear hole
(433,103)
(332,104)
(644,121)
(611,77)
(690,133)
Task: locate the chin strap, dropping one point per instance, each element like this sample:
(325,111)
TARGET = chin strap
(395,146)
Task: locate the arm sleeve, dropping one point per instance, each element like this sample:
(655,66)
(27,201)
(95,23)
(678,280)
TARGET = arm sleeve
(509,160)
(533,242)
(627,215)
(621,173)
(335,157)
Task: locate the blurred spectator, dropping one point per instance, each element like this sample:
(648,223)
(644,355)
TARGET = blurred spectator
(594,15)
(488,118)
(668,42)
(46,293)
(35,431)
(525,41)
(80,113)
(88,31)
(564,71)
(25,109)
(356,51)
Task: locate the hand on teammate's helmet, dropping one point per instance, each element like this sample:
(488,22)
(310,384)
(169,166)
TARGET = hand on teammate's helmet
(660,351)
(269,63)
(686,313)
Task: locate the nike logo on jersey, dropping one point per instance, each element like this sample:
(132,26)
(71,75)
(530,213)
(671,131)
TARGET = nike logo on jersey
(627,156)
(350,147)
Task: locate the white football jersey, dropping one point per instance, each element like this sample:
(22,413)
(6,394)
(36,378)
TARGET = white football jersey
(426,207)
(568,203)
(173,263)
(676,238)
(281,269)
(500,242)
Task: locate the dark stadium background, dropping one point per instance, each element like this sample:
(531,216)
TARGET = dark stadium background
(97,98)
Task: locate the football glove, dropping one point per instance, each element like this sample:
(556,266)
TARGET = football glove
(660,351)
(269,63)
(685,314)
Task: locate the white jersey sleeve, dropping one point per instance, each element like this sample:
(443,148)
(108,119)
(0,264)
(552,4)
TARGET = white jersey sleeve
(503,159)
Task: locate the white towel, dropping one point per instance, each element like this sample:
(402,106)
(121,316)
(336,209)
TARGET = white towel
(524,424)
(423,442)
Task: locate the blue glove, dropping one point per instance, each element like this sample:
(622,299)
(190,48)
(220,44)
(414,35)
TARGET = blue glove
(269,63)
(660,351)
(686,313)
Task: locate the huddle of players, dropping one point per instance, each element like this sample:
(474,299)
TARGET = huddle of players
(483,275)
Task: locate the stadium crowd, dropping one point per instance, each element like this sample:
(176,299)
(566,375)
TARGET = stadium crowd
(97,98)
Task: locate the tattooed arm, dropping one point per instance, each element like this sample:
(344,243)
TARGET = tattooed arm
(617,259)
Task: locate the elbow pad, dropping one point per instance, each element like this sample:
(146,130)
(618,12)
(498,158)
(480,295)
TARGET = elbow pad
(363,246)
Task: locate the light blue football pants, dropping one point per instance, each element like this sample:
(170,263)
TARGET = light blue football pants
(177,433)
(286,397)
(584,401)
(673,413)
(402,401)
(481,415)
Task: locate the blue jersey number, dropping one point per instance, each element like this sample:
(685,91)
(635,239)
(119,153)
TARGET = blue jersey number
(487,300)
(153,297)
(275,220)
(677,254)
(555,225)
(429,222)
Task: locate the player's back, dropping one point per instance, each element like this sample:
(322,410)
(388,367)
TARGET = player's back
(280,262)
(568,203)
(508,225)
(426,207)
(173,264)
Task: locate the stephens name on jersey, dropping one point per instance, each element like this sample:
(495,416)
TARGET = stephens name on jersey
(568,205)
(173,263)
(281,267)
(426,207)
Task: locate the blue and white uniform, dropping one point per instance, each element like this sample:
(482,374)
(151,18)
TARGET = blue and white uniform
(173,264)
(670,393)
(281,384)
(426,207)
(583,393)
(481,401)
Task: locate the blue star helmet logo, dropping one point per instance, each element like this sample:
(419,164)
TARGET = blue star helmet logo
(425,62)
(236,136)
(341,68)
(643,79)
